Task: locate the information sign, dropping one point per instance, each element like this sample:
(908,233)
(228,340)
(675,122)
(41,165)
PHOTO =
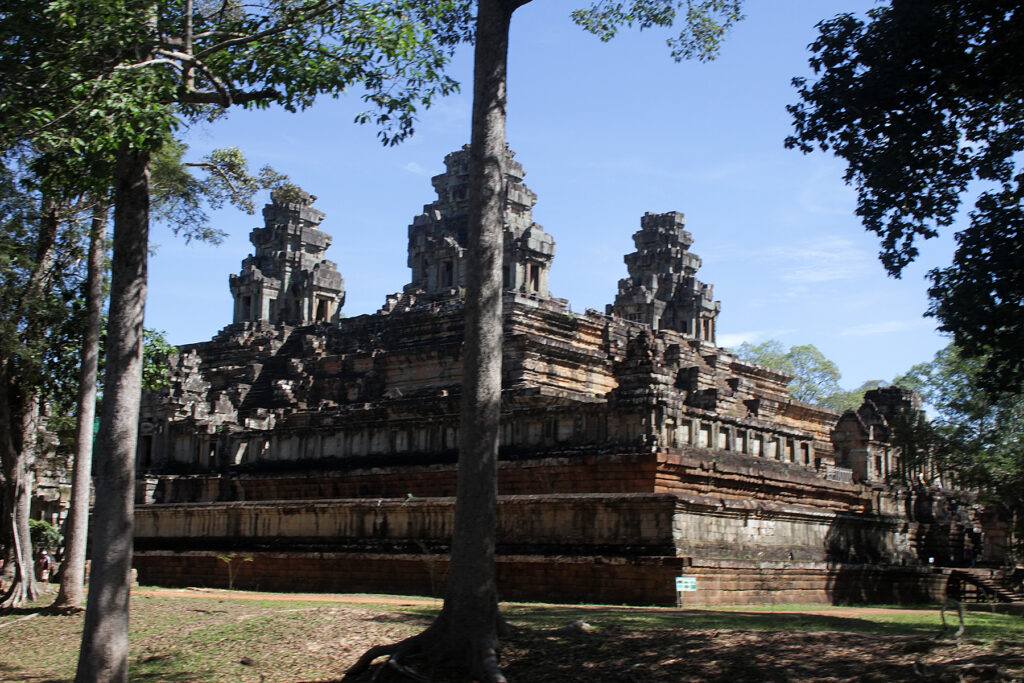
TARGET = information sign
(686,584)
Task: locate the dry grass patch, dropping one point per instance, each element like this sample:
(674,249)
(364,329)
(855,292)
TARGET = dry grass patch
(218,636)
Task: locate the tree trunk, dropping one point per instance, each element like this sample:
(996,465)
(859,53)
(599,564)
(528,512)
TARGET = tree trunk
(465,634)
(72,590)
(471,600)
(104,652)
(17,467)
(8,453)
(16,455)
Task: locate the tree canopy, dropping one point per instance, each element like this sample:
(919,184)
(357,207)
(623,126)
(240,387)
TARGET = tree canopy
(975,437)
(815,377)
(924,102)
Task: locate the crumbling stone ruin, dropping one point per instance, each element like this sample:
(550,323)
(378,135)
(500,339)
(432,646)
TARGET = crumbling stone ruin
(287,280)
(633,449)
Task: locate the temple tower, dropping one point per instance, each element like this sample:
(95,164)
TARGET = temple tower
(287,280)
(437,237)
(662,289)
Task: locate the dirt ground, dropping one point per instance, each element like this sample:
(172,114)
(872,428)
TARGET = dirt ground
(583,651)
(204,636)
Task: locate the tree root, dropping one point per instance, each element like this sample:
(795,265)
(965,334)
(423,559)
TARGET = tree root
(433,651)
(64,610)
(18,595)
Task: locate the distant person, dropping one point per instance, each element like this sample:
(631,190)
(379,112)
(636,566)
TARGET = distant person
(45,564)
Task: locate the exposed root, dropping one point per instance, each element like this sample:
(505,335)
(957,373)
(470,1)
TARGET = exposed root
(18,595)
(403,671)
(64,610)
(364,662)
(490,667)
(433,652)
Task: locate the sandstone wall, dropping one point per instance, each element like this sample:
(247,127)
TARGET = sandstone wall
(638,523)
(590,579)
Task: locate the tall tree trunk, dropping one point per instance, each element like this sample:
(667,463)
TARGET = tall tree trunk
(471,600)
(23,500)
(72,591)
(7,556)
(16,455)
(8,455)
(17,467)
(465,634)
(104,652)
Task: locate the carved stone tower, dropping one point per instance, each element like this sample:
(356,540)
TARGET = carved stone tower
(662,289)
(437,237)
(287,280)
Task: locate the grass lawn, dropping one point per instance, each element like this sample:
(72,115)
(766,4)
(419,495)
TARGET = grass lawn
(224,636)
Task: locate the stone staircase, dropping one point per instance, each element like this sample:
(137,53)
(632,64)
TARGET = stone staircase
(988,585)
(268,388)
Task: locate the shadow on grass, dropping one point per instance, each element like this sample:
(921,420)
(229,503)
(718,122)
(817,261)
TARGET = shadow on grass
(164,667)
(415,618)
(24,611)
(619,654)
(548,617)
(17,674)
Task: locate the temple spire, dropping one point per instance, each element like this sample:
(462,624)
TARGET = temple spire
(287,280)
(437,237)
(662,289)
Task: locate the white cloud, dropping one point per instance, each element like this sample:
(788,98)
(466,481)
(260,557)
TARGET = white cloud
(886,327)
(826,261)
(415,169)
(734,339)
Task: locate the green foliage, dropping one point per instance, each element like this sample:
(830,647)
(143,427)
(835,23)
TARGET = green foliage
(84,80)
(980,297)
(156,373)
(704,23)
(62,372)
(922,101)
(976,436)
(41,270)
(179,197)
(66,97)
(155,349)
(815,377)
(44,535)
(851,400)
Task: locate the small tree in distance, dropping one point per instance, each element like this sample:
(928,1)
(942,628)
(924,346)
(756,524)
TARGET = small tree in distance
(815,377)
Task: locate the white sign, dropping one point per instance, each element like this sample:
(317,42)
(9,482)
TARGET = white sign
(686,584)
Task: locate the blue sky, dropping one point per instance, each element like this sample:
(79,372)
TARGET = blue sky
(605,132)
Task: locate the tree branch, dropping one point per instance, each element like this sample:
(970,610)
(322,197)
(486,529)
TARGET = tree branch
(216,169)
(190,77)
(191,62)
(286,24)
(148,62)
(206,97)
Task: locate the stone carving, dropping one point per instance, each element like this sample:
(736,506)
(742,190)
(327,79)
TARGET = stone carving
(632,448)
(438,235)
(287,280)
(662,289)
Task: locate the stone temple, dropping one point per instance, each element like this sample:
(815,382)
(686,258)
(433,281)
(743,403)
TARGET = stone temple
(322,448)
